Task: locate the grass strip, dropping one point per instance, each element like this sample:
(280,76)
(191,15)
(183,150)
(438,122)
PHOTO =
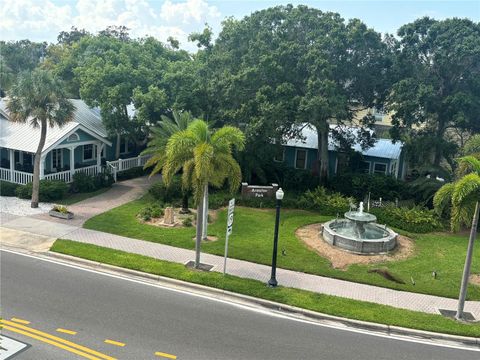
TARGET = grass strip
(77,197)
(326,304)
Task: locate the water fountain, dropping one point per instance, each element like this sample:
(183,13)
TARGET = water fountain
(359,233)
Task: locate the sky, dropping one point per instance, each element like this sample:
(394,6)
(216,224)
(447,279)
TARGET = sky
(42,20)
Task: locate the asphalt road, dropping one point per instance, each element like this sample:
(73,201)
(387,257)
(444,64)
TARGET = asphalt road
(149,319)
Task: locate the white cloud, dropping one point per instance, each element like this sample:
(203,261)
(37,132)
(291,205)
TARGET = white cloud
(197,10)
(42,20)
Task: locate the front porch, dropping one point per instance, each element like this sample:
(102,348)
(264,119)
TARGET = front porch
(62,163)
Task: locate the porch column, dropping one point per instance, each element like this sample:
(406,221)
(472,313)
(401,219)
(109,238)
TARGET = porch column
(72,160)
(11,154)
(99,156)
(42,167)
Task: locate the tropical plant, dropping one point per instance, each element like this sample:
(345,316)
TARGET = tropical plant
(206,158)
(158,142)
(40,99)
(463,196)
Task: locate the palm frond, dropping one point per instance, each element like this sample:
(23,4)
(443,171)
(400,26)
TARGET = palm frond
(471,162)
(443,198)
(466,190)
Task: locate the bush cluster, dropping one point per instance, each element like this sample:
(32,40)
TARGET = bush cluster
(379,186)
(327,203)
(86,183)
(150,212)
(187,222)
(50,190)
(7,188)
(131,173)
(164,194)
(415,219)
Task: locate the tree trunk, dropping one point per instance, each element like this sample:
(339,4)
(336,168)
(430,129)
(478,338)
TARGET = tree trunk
(437,158)
(468,263)
(198,240)
(322,153)
(36,165)
(205,214)
(185,209)
(117,146)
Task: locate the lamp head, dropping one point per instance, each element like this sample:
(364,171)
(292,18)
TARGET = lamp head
(279,194)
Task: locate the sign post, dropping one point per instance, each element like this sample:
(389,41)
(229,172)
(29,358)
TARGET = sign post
(231,207)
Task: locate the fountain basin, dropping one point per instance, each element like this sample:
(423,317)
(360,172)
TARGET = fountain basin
(375,239)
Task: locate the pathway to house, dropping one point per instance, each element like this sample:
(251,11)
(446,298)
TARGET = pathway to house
(17,227)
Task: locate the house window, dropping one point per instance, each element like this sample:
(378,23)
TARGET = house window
(123,146)
(28,159)
(88,153)
(378,114)
(73,137)
(57,159)
(379,168)
(280,156)
(300,159)
(365,166)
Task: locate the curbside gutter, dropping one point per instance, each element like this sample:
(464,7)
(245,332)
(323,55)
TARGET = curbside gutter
(283,309)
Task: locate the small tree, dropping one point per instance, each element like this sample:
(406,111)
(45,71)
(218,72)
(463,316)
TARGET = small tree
(462,197)
(206,159)
(158,143)
(40,99)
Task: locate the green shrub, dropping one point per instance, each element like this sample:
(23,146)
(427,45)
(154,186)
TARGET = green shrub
(187,222)
(102,180)
(379,186)
(7,188)
(150,212)
(324,202)
(131,173)
(60,208)
(50,190)
(415,219)
(83,182)
(171,194)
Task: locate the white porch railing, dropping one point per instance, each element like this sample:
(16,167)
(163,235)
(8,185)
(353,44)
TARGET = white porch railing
(5,174)
(64,176)
(125,164)
(20,177)
(89,170)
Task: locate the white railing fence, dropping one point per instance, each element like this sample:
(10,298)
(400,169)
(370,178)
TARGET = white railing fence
(125,164)
(5,174)
(20,177)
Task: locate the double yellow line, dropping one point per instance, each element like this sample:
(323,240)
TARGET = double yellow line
(54,340)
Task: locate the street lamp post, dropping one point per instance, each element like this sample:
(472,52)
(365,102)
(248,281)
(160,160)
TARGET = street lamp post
(273,281)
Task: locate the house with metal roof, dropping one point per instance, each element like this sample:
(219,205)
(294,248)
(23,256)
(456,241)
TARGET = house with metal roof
(82,145)
(384,157)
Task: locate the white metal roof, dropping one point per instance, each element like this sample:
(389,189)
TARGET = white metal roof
(383,148)
(22,136)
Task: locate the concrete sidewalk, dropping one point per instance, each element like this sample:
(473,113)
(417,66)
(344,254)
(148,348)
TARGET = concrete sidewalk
(245,269)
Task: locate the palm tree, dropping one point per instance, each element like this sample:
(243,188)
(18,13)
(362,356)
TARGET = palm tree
(206,159)
(158,142)
(40,99)
(462,197)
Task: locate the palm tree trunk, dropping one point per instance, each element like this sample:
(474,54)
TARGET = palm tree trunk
(468,263)
(322,153)
(205,214)
(36,165)
(198,240)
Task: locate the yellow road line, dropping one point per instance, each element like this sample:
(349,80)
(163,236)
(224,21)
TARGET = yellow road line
(169,356)
(21,321)
(60,340)
(54,343)
(113,342)
(70,332)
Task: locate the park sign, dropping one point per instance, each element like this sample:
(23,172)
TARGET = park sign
(259,191)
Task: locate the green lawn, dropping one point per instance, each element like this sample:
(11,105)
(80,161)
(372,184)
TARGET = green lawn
(317,302)
(252,240)
(76,197)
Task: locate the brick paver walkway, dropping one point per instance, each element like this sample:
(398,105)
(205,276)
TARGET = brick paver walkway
(245,269)
(120,193)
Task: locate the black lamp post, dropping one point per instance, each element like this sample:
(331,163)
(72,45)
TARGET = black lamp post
(273,281)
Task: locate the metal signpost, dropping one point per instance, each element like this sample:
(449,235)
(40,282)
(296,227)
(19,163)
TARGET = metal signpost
(231,207)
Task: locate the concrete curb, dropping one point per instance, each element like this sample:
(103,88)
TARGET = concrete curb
(287,310)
